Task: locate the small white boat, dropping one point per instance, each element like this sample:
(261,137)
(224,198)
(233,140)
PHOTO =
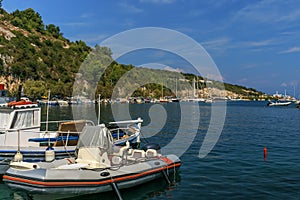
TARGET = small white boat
(99,167)
(209,100)
(62,102)
(20,131)
(48,102)
(175,99)
(277,103)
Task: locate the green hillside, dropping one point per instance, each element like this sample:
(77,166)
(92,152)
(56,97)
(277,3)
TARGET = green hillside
(38,57)
(33,52)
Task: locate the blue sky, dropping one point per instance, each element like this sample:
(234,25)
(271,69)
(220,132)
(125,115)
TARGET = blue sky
(253,43)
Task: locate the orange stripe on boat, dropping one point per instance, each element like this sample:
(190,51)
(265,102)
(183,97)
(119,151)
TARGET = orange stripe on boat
(69,183)
(166,160)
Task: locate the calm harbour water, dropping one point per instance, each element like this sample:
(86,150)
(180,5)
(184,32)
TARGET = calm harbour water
(234,169)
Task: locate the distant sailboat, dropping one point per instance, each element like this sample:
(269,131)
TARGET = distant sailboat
(175,99)
(163,99)
(195,97)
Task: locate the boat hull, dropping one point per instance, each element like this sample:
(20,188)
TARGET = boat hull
(279,103)
(80,181)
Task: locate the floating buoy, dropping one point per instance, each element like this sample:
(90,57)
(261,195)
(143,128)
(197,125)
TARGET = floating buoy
(265,153)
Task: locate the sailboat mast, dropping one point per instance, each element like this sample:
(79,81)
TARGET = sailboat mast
(197,89)
(162,91)
(99,107)
(176,87)
(194,88)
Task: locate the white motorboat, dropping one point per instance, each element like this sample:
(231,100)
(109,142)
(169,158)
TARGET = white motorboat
(278,103)
(100,166)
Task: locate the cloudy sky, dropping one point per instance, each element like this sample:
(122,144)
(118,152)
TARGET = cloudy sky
(253,43)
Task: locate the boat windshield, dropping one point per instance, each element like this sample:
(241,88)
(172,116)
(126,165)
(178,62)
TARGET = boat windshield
(25,119)
(95,136)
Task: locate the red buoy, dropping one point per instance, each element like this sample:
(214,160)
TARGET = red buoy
(265,153)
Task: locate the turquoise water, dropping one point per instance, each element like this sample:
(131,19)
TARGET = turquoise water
(234,169)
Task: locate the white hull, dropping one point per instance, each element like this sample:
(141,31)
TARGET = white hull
(279,103)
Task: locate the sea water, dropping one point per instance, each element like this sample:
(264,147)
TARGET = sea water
(234,169)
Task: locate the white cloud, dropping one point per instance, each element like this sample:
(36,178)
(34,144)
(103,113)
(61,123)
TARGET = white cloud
(225,43)
(87,15)
(130,8)
(168,68)
(260,43)
(270,11)
(216,44)
(291,16)
(290,50)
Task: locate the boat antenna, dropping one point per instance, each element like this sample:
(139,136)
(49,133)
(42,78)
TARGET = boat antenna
(47,115)
(99,106)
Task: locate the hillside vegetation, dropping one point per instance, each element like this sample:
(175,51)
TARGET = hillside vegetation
(38,57)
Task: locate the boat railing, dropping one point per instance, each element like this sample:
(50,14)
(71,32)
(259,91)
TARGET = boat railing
(21,129)
(62,121)
(40,131)
(54,125)
(129,127)
(139,120)
(119,132)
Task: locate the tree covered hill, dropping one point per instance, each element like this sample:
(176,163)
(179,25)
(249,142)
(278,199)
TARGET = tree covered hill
(38,57)
(33,52)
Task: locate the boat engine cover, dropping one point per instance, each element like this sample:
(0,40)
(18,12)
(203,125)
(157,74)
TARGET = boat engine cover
(154,146)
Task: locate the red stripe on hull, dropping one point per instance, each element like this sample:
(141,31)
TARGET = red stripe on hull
(85,183)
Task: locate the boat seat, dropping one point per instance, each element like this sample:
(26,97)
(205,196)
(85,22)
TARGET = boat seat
(151,153)
(121,154)
(123,150)
(136,155)
(92,157)
(129,151)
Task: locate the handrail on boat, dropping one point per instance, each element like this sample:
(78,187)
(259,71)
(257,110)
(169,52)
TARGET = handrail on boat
(139,120)
(117,129)
(62,121)
(21,129)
